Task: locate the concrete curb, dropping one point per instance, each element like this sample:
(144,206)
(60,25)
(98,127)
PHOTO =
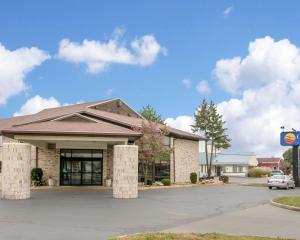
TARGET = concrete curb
(179,186)
(285,206)
(102,188)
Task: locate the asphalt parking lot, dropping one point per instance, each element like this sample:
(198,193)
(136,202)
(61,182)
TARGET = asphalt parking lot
(87,214)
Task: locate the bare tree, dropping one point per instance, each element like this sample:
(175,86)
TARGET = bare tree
(151,145)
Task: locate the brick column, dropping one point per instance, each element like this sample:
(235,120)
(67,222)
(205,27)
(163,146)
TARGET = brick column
(125,171)
(16,170)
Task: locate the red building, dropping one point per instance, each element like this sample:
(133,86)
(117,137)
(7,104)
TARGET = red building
(270,162)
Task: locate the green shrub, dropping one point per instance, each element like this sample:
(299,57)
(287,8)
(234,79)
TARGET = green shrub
(259,172)
(36,176)
(166,182)
(224,179)
(193,177)
(149,182)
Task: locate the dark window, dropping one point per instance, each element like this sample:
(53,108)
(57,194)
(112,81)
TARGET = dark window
(156,172)
(162,170)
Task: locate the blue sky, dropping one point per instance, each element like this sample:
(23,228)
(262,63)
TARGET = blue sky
(195,35)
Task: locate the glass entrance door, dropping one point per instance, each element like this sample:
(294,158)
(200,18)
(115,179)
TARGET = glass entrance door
(81,167)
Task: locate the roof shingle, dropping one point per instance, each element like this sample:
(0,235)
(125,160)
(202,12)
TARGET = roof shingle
(111,123)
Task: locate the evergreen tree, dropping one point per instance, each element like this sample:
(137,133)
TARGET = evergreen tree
(211,124)
(149,113)
(201,117)
(216,132)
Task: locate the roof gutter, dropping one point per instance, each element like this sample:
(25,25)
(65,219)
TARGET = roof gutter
(14,132)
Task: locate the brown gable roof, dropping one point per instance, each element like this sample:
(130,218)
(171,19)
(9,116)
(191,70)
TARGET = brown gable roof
(28,123)
(72,128)
(44,115)
(137,123)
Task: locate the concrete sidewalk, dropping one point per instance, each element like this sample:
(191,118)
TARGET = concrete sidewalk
(264,220)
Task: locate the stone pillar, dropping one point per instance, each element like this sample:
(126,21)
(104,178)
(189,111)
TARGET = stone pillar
(16,170)
(125,171)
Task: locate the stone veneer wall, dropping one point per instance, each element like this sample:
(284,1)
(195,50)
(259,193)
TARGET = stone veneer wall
(107,163)
(2,167)
(10,140)
(125,168)
(186,160)
(16,170)
(110,159)
(49,161)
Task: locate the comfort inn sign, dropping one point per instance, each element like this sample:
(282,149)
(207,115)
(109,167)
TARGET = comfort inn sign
(290,138)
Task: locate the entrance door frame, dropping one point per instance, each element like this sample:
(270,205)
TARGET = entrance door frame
(81,173)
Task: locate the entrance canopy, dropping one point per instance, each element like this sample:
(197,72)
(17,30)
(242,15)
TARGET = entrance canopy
(75,142)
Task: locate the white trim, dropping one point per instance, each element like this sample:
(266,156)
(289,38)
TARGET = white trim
(102,102)
(77,115)
(70,138)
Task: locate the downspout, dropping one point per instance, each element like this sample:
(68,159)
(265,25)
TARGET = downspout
(174,170)
(36,157)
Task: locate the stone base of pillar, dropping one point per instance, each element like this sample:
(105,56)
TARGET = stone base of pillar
(16,170)
(125,171)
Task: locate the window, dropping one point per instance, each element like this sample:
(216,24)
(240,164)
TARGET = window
(234,168)
(162,170)
(156,171)
(240,169)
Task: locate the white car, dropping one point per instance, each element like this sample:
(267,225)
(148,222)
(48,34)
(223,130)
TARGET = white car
(281,181)
(277,172)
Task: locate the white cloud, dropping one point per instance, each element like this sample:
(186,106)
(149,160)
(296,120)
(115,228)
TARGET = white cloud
(268,79)
(98,56)
(268,83)
(14,66)
(145,50)
(202,87)
(187,83)
(181,122)
(227,11)
(267,61)
(36,104)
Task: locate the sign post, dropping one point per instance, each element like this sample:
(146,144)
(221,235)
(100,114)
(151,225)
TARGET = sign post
(296,163)
(292,139)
